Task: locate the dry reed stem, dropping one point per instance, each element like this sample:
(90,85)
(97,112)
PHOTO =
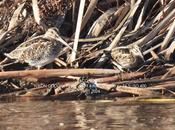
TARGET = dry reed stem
(168,36)
(77,33)
(146,81)
(170,51)
(132,3)
(121,77)
(140,19)
(122,30)
(15,20)
(89,12)
(155,31)
(167,9)
(36,11)
(121,13)
(57,73)
(164,85)
(135,91)
(170,73)
(100,23)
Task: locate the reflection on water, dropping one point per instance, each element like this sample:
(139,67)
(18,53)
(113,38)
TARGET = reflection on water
(56,115)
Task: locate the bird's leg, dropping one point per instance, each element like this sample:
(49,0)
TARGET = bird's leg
(1,68)
(38,67)
(7,64)
(117,65)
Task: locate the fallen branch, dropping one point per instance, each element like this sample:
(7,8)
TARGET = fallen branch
(57,73)
(121,77)
(135,90)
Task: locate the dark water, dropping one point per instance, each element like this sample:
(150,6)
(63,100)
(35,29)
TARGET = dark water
(84,115)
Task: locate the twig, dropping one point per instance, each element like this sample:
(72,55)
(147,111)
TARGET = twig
(170,73)
(77,33)
(141,15)
(168,36)
(135,90)
(36,11)
(146,81)
(15,20)
(89,12)
(100,23)
(57,73)
(154,32)
(119,35)
(121,77)
(170,51)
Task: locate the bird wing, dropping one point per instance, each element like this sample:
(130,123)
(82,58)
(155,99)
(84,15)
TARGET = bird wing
(16,53)
(35,51)
(31,41)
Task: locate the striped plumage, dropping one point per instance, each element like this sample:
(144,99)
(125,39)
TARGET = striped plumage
(38,51)
(127,57)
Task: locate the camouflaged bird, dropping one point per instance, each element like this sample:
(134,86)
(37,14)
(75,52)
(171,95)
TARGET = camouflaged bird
(39,51)
(127,57)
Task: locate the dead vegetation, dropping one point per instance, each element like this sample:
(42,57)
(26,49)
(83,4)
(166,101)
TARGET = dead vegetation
(120,48)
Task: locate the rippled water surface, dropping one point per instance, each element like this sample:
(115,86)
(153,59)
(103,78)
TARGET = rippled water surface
(85,115)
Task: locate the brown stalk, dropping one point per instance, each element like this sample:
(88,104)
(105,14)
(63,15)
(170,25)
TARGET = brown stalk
(155,31)
(101,22)
(89,12)
(135,91)
(57,73)
(170,51)
(122,30)
(168,36)
(121,77)
(170,73)
(77,33)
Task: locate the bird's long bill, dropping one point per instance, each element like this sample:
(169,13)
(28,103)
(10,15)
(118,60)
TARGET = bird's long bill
(64,43)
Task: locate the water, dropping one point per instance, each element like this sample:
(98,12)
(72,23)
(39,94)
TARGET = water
(85,115)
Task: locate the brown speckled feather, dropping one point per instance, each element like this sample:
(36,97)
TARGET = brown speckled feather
(127,57)
(38,51)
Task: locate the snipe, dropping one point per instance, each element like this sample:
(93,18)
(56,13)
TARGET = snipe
(127,57)
(39,51)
